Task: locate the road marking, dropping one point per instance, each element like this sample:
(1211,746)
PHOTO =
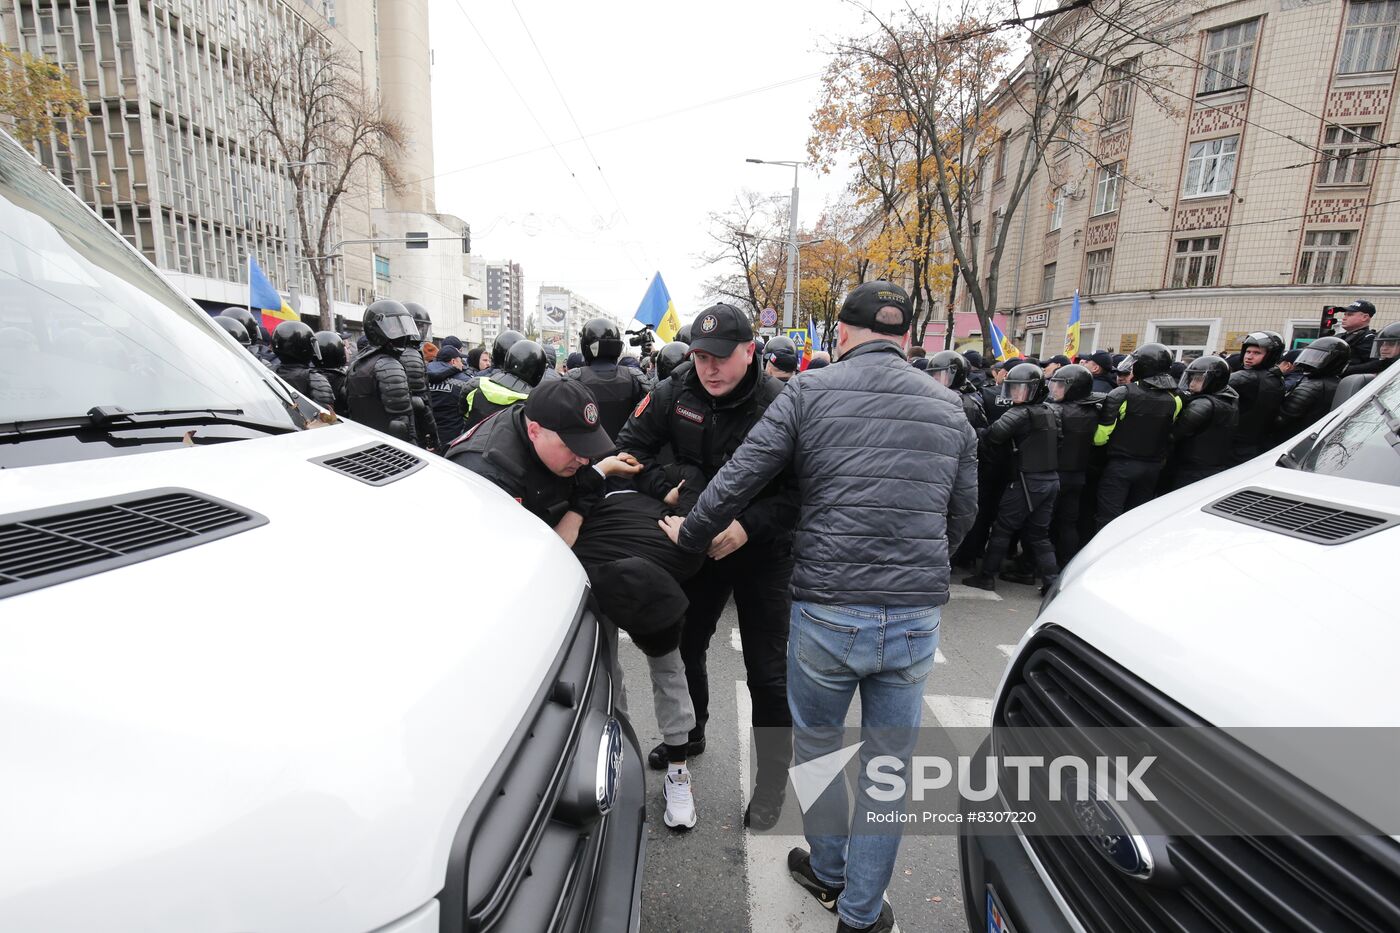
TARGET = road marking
(1007,650)
(938,656)
(953,712)
(734,641)
(958,591)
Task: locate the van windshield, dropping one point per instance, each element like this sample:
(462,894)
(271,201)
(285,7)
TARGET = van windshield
(85,323)
(1366,444)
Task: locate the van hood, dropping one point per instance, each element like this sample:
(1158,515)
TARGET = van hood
(276,730)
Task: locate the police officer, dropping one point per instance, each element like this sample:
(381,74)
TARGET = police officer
(1385,348)
(668,358)
(447,393)
(1321,363)
(1208,422)
(235,330)
(1030,432)
(617,388)
(683,335)
(330,362)
(255,333)
(296,349)
(1073,399)
(1259,387)
(521,369)
(994,401)
(951,368)
(416,368)
(378,386)
(1135,426)
(704,415)
(780,358)
(1357,331)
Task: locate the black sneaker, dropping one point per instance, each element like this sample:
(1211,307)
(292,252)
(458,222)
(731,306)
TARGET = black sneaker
(764,809)
(982,581)
(883,924)
(800,867)
(1015,576)
(658,760)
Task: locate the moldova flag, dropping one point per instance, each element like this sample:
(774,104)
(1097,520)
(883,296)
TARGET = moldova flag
(265,299)
(1072,331)
(1002,348)
(658,311)
(813,344)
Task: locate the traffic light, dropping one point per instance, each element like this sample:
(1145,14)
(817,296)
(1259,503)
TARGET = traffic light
(1329,319)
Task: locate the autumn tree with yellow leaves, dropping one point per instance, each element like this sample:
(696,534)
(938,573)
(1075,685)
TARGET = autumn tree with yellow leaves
(39,101)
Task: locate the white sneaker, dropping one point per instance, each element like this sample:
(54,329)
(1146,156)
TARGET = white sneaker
(680,804)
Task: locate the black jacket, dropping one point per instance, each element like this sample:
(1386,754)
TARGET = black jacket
(500,450)
(377,389)
(1135,422)
(1104,384)
(1370,366)
(416,370)
(1310,399)
(886,465)
(1205,430)
(972,407)
(705,432)
(1078,422)
(1260,393)
(617,389)
(447,396)
(994,403)
(1032,432)
(336,377)
(1360,342)
(311,383)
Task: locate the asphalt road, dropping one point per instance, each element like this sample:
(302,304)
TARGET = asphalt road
(718,877)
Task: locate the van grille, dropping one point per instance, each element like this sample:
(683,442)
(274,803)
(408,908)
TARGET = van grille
(1298,518)
(55,545)
(1230,882)
(377,464)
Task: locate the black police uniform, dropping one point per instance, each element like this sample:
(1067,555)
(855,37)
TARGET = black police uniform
(310,382)
(973,407)
(416,370)
(377,390)
(1078,422)
(1260,393)
(1032,431)
(1202,437)
(337,377)
(447,397)
(1135,425)
(1309,400)
(617,388)
(1360,342)
(704,431)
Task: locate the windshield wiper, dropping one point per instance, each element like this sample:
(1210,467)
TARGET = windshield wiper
(110,418)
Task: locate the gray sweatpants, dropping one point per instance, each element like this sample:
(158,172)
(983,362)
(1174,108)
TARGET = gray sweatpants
(675,714)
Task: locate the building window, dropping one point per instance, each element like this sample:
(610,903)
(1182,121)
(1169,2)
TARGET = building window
(1002,144)
(1229,54)
(996,226)
(381,267)
(1057,208)
(1106,188)
(974,235)
(1035,343)
(1195,262)
(1298,334)
(1326,257)
(1185,341)
(1047,282)
(1088,338)
(1341,164)
(1096,266)
(1210,167)
(1369,41)
(1118,95)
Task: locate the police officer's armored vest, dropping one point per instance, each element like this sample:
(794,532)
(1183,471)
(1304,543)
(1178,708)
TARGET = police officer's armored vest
(1078,422)
(1039,449)
(296,375)
(1211,447)
(488,398)
(1257,419)
(1145,423)
(362,390)
(337,378)
(416,369)
(502,442)
(616,393)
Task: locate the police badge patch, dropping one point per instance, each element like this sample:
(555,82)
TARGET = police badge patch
(708,324)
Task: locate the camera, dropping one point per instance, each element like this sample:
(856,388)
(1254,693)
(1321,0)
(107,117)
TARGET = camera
(642,337)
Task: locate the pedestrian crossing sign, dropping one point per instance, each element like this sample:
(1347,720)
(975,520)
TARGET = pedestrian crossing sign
(798,337)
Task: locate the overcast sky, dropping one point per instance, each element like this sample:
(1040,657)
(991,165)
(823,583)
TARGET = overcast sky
(625,69)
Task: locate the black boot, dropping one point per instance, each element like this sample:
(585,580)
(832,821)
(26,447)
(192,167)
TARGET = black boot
(982,581)
(658,759)
(764,809)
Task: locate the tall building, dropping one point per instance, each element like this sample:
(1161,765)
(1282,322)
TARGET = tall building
(505,292)
(170,155)
(560,313)
(1265,194)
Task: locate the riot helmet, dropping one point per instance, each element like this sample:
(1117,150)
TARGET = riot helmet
(1071,383)
(600,339)
(669,357)
(1024,384)
(244,317)
(1325,356)
(235,329)
(782,353)
(331,350)
(388,324)
(422,319)
(1205,375)
(523,366)
(1387,343)
(1268,341)
(683,335)
(1148,360)
(503,342)
(948,367)
(294,342)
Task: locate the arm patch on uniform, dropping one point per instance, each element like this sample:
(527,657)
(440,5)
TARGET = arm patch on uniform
(641,406)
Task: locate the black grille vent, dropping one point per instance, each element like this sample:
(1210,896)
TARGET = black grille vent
(376,464)
(54,545)
(1298,518)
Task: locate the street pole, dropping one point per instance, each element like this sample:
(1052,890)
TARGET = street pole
(790,293)
(294,236)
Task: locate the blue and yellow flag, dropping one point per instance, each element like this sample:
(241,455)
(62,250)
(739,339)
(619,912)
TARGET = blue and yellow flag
(1002,348)
(266,300)
(658,311)
(1072,331)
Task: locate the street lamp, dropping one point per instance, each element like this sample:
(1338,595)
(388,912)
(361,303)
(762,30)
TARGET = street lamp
(789,292)
(294,232)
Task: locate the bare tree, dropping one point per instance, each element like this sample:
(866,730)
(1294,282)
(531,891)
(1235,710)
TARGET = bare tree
(326,128)
(749,243)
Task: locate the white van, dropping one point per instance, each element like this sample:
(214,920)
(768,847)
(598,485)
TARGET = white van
(262,672)
(1261,597)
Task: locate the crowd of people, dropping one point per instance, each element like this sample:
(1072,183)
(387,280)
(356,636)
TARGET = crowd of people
(830,501)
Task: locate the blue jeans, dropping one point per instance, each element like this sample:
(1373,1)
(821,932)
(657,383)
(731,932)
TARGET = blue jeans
(885,652)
